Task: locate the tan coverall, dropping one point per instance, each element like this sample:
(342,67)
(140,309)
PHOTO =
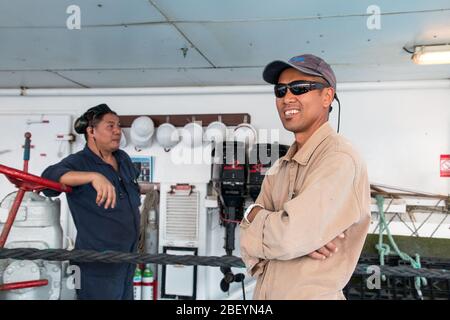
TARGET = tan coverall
(310,196)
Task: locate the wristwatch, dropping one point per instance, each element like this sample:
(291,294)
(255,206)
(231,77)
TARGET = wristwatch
(249,209)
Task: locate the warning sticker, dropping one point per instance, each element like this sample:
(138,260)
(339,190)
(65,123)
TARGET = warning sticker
(445,165)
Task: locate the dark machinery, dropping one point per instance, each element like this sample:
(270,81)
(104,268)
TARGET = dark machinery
(240,176)
(261,158)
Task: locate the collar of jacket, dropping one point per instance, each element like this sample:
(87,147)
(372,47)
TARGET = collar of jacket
(303,155)
(87,151)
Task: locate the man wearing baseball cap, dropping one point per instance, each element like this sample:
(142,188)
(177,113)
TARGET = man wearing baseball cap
(303,236)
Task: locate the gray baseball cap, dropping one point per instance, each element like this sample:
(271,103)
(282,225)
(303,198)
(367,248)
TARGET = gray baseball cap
(306,63)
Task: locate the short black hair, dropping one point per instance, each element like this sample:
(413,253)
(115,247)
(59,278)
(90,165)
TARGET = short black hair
(96,120)
(91,118)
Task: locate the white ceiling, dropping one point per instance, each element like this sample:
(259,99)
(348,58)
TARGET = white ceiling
(137,43)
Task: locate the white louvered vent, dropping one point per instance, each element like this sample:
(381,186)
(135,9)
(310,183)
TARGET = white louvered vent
(182,217)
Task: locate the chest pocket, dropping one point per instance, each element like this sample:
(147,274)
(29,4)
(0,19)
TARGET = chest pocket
(300,180)
(295,177)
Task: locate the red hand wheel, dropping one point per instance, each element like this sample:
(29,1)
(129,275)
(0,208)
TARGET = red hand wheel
(25,181)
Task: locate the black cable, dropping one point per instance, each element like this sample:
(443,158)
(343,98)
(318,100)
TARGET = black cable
(339,112)
(243,290)
(188,260)
(101,154)
(411,52)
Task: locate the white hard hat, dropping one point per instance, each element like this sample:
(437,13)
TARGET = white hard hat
(216,131)
(123,141)
(192,135)
(141,131)
(167,136)
(245,133)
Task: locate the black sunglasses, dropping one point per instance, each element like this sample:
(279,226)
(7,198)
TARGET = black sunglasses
(297,87)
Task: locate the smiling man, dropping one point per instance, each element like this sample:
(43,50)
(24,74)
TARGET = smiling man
(303,236)
(104,202)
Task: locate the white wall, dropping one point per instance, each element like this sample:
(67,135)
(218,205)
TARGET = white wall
(401,128)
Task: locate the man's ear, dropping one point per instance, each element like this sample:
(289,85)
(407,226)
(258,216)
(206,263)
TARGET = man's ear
(90,131)
(328,97)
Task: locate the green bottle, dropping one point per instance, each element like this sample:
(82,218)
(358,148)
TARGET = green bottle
(137,284)
(147,283)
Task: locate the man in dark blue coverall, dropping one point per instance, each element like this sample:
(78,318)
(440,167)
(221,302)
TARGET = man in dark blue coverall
(104,202)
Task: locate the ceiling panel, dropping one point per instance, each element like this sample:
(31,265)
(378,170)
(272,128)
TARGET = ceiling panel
(248,76)
(339,41)
(133,78)
(34,79)
(52,13)
(220,10)
(96,48)
(166,77)
(130,43)
(226,76)
(202,76)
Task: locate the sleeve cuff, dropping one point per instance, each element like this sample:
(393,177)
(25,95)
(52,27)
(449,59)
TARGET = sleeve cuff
(252,237)
(249,209)
(54,175)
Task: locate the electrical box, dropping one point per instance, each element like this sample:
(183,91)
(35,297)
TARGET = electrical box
(179,281)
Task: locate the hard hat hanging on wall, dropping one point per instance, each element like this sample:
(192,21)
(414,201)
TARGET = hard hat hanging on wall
(141,131)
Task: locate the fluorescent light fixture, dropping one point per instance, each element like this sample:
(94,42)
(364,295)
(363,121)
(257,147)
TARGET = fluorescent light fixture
(435,54)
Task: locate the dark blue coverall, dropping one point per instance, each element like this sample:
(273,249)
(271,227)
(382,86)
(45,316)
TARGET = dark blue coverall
(103,229)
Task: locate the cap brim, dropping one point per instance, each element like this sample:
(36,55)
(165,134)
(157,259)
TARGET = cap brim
(273,70)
